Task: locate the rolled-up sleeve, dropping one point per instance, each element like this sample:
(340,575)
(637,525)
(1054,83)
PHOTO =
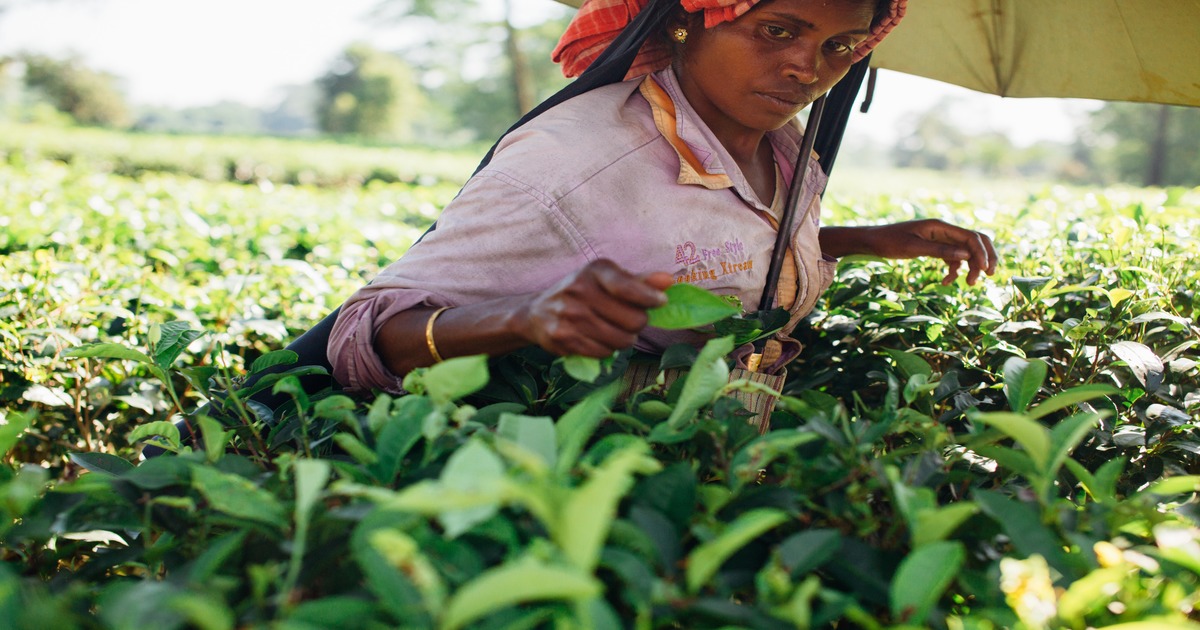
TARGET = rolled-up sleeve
(500,237)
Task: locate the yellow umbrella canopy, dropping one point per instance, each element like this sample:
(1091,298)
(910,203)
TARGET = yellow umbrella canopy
(1117,50)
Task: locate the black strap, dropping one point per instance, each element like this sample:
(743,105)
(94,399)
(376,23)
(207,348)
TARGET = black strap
(838,106)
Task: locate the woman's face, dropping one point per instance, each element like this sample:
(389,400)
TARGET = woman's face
(756,73)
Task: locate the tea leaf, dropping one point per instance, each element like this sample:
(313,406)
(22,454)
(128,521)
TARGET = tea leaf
(1173,485)
(1145,365)
(237,496)
(474,468)
(534,434)
(272,359)
(922,578)
(591,509)
(1028,433)
(578,424)
(102,463)
(909,364)
(160,428)
(109,351)
(583,369)
(707,376)
(176,337)
(1072,396)
(519,582)
(689,306)
(455,378)
(707,558)
(14,425)
(936,524)
(804,552)
(1022,381)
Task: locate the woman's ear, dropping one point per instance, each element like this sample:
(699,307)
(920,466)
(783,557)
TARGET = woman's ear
(680,25)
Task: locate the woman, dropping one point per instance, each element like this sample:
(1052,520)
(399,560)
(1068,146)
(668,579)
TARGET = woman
(586,214)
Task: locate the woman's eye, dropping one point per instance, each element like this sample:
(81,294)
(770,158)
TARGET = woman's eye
(777,32)
(839,48)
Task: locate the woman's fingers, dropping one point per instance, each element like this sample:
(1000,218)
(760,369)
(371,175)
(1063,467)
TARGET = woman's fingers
(599,309)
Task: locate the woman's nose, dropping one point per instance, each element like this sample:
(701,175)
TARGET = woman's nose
(803,62)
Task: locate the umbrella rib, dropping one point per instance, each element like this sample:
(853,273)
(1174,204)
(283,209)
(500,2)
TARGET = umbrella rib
(994,48)
(1129,38)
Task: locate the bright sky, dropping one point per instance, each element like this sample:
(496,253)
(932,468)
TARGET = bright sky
(191,52)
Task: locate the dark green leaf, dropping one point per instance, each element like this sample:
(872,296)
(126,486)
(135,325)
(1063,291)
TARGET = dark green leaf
(1022,381)
(922,578)
(272,359)
(1145,365)
(102,463)
(804,552)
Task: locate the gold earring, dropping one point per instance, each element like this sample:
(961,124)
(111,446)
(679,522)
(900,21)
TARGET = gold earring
(680,35)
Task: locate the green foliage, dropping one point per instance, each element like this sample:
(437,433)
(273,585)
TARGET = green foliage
(276,161)
(88,96)
(1130,137)
(1024,453)
(369,93)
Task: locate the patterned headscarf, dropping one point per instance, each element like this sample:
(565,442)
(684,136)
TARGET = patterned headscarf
(599,21)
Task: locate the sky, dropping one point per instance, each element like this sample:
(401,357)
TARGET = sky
(189,52)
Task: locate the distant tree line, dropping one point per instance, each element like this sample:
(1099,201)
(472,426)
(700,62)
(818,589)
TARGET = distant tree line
(470,77)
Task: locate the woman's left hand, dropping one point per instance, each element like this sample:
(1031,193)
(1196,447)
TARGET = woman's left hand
(932,237)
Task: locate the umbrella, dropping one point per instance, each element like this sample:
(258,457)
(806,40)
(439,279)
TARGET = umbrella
(1115,50)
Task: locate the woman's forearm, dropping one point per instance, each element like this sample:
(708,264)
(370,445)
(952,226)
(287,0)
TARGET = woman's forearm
(491,328)
(847,241)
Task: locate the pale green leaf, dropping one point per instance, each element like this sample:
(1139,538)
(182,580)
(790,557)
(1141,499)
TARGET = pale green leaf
(1072,396)
(532,433)
(525,580)
(1031,435)
(473,468)
(109,351)
(591,508)
(707,558)
(14,425)
(455,378)
(578,424)
(708,375)
(933,525)
(583,369)
(1173,485)
(689,306)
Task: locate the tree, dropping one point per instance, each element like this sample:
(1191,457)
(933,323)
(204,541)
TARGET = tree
(88,96)
(369,93)
(479,65)
(1154,145)
(933,141)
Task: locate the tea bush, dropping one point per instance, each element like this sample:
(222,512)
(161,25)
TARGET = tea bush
(1018,455)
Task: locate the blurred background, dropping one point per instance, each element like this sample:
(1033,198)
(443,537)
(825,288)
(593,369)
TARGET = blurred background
(453,74)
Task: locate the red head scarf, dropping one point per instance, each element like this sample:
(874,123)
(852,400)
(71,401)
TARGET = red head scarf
(599,21)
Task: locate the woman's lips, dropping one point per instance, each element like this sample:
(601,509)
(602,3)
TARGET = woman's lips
(786,100)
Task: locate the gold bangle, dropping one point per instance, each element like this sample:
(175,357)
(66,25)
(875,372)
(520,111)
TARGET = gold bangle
(433,351)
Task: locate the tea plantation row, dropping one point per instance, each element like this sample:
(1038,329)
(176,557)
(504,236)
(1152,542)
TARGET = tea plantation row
(1023,453)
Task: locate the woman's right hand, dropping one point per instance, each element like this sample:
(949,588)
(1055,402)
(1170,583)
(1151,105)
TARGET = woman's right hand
(593,312)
